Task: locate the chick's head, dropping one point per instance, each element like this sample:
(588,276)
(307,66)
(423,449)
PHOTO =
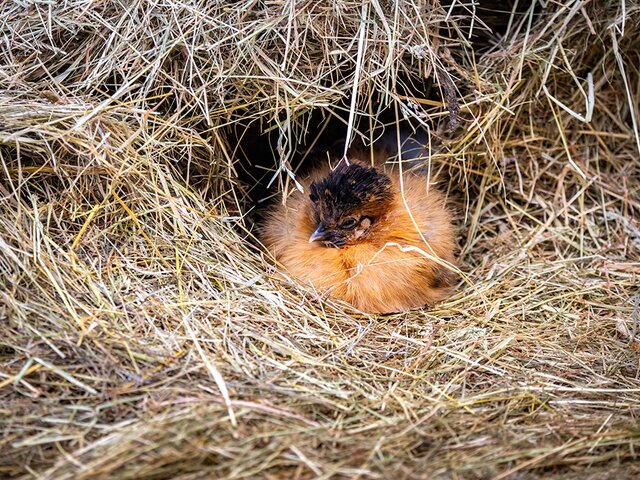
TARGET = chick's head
(348,204)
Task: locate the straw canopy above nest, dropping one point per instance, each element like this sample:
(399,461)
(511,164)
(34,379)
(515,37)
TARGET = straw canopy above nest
(145,333)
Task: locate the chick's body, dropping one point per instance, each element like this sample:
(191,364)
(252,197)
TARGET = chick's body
(360,235)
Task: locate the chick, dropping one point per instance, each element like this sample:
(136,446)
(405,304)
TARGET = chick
(361,235)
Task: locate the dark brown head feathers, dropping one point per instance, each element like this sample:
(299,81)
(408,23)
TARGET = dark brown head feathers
(349,188)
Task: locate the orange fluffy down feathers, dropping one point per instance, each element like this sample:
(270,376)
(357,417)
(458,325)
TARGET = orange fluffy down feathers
(359,234)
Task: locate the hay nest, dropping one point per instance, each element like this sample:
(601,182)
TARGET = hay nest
(144,334)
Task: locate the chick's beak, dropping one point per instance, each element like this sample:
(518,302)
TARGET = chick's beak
(319,234)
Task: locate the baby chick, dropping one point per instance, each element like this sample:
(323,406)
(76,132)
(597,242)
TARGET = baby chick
(361,235)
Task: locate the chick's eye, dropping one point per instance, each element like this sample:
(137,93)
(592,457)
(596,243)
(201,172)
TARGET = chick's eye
(349,223)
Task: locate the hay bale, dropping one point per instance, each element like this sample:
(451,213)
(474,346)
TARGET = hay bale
(143,334)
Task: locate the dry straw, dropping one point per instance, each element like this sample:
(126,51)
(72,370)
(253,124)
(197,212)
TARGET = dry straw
(144,335)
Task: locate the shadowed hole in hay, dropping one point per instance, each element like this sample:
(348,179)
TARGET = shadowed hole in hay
(262,147)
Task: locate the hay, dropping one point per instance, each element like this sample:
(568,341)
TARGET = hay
(143,334)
